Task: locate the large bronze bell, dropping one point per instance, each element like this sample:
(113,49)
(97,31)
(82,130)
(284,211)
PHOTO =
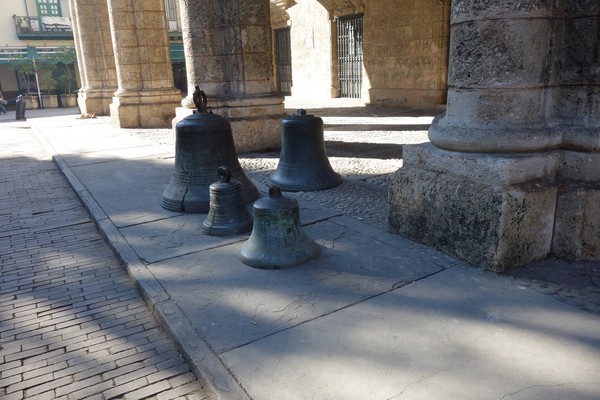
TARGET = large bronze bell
(228,214)
(303,163)
(203,143)
(277,239)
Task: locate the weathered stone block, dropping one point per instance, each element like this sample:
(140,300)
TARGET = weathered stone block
(577,224)
(143,111)
(253,134)
(499,226)
(580,166)
(465,10)
(95,101)
(255,121)
(499,53)
(577,221)
(579,51)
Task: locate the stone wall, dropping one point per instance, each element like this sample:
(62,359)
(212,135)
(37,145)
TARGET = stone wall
(311,43)
(405,48)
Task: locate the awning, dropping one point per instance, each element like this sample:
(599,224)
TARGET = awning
(177,53)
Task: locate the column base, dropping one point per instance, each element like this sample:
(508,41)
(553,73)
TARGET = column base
(491,210)
(95,102)
(577,221)
(144,109)
(255,121)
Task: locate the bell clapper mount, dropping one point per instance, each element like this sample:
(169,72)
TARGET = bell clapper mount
(200,100)
(225,174)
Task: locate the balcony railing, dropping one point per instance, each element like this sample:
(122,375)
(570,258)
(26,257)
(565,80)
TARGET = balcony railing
(43,27)
(174,27)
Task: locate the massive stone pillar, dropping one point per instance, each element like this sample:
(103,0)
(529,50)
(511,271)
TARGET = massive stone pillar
(577,118)
(146,96)
(511,174)
(95,58)
(229,55)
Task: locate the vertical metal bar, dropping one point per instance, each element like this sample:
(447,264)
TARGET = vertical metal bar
(283,56)
(288,66)
(340,61)
(350,55)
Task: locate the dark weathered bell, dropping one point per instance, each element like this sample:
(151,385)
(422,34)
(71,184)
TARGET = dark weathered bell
(277,239)
(228,214)
(203,143)
(303,163)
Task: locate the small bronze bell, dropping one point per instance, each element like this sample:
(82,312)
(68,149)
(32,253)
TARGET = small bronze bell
(277,239)
(303,163)
(203,142)
(228,214)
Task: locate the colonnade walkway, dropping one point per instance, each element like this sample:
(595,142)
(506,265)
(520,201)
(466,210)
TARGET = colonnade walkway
(373,317)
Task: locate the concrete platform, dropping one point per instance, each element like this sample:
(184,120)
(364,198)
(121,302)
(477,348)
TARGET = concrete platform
(373,317)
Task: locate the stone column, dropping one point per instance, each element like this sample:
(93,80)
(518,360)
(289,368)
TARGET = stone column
(229,55)
(146,96)
(577,119)
(79,47)
(485,189)
(95,58)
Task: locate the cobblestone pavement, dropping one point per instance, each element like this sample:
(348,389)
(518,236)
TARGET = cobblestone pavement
(71,324)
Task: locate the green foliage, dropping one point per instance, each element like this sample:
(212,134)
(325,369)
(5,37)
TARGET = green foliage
(24,66)
(46,67)
(65,55)
(65,59)
(55,70)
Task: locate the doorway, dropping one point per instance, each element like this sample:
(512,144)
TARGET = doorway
(283,61)
(350,55)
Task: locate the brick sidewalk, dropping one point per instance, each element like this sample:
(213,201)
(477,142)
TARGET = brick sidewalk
(71,324)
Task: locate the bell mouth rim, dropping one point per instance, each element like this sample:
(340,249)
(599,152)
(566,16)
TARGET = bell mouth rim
(313,253)
(301,120)
(328,184)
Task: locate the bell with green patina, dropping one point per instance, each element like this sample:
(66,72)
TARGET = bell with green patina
(303,163)
(228,214)
(277,239)
(203,143)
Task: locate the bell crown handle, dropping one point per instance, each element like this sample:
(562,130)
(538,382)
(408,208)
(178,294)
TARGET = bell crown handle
(200,100)
(225,174)
(275,192)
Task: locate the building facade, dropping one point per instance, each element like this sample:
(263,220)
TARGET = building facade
(392,53)
(331,48)
(33,31)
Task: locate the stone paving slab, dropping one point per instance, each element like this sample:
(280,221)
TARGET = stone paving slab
(116,154)
(100,144)
(167,238)
(403,246)
(129,191)
(69,131)
(232,304)
(459,334)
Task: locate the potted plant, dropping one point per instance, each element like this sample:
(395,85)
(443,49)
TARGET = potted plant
(46,67)
(66,58)
(24,66)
